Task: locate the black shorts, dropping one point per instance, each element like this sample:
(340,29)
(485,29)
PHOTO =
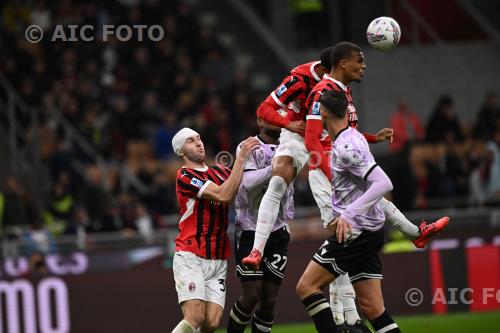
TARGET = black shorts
(272,267)
(358,257)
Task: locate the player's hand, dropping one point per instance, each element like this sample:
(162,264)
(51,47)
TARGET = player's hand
(385,134)
(332,226)
(248,146)
(344,229)
(297,126)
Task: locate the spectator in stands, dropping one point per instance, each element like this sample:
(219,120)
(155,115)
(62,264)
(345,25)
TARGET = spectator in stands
(80,226)
(488,119)
(144,223)
(486,179)
(94,197)
(113,220)
(94,127)
(162,202)
(128,213)
(454,179)
(60,207)
(164,134)
(16,207)
(38,239)
(444,125)
(407,127)
(217,71)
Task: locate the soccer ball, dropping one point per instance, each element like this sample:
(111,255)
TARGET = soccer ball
(383,33)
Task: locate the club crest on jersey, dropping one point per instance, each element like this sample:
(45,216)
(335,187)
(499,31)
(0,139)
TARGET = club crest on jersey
(196,182)
(315,108)
(280,90)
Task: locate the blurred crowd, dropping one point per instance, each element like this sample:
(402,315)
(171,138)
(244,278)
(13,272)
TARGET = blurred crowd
(127,99)
(448,162)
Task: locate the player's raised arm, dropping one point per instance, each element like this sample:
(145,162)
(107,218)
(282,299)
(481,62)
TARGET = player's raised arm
(252,175)
(226,192)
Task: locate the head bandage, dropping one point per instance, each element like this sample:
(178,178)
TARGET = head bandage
(180,138)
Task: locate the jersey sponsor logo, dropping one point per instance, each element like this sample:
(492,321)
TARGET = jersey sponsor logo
(196,182)
(315,108)
(280,90)
(192,287)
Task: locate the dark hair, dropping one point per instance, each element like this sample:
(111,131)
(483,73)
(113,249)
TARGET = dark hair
(334,102)
(343,51)
(326,62)
(444,101)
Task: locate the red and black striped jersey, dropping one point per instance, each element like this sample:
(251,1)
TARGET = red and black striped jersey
(203,223)
(290,96)
(315,138)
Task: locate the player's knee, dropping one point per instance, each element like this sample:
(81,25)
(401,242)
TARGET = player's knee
(195,314)
(250,299)
(370,308)
(267,305)
(303,289)
(212,323)
(283,167)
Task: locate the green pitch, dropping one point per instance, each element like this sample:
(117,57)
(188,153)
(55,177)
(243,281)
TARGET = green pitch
(451,323)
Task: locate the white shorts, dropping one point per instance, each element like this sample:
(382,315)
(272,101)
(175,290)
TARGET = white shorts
(321,189)
(199,278)
(292,144)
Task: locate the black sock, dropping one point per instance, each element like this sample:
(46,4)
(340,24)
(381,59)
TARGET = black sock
(386,323)
(320,312)
(239,317)
(262,323)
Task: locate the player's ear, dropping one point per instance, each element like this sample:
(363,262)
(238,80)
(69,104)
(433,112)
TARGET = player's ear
(344,63)
(260,122)
(181,154)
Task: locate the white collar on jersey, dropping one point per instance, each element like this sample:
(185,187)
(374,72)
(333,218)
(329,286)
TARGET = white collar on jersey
(313,72)
(203,169)
(340,84)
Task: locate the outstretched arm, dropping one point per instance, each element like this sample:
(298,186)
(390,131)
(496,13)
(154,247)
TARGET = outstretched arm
(385,134)
(227,191)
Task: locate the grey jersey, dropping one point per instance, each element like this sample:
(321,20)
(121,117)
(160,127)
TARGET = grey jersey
(351,161)
(258,172)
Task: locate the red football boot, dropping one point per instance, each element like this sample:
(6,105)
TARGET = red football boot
(252,261)
(427,231)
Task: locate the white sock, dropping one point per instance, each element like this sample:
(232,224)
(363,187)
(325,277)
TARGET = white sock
(348,296)
(398,220)
(184,327)
(268,211)
(350,310)
(336,304)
